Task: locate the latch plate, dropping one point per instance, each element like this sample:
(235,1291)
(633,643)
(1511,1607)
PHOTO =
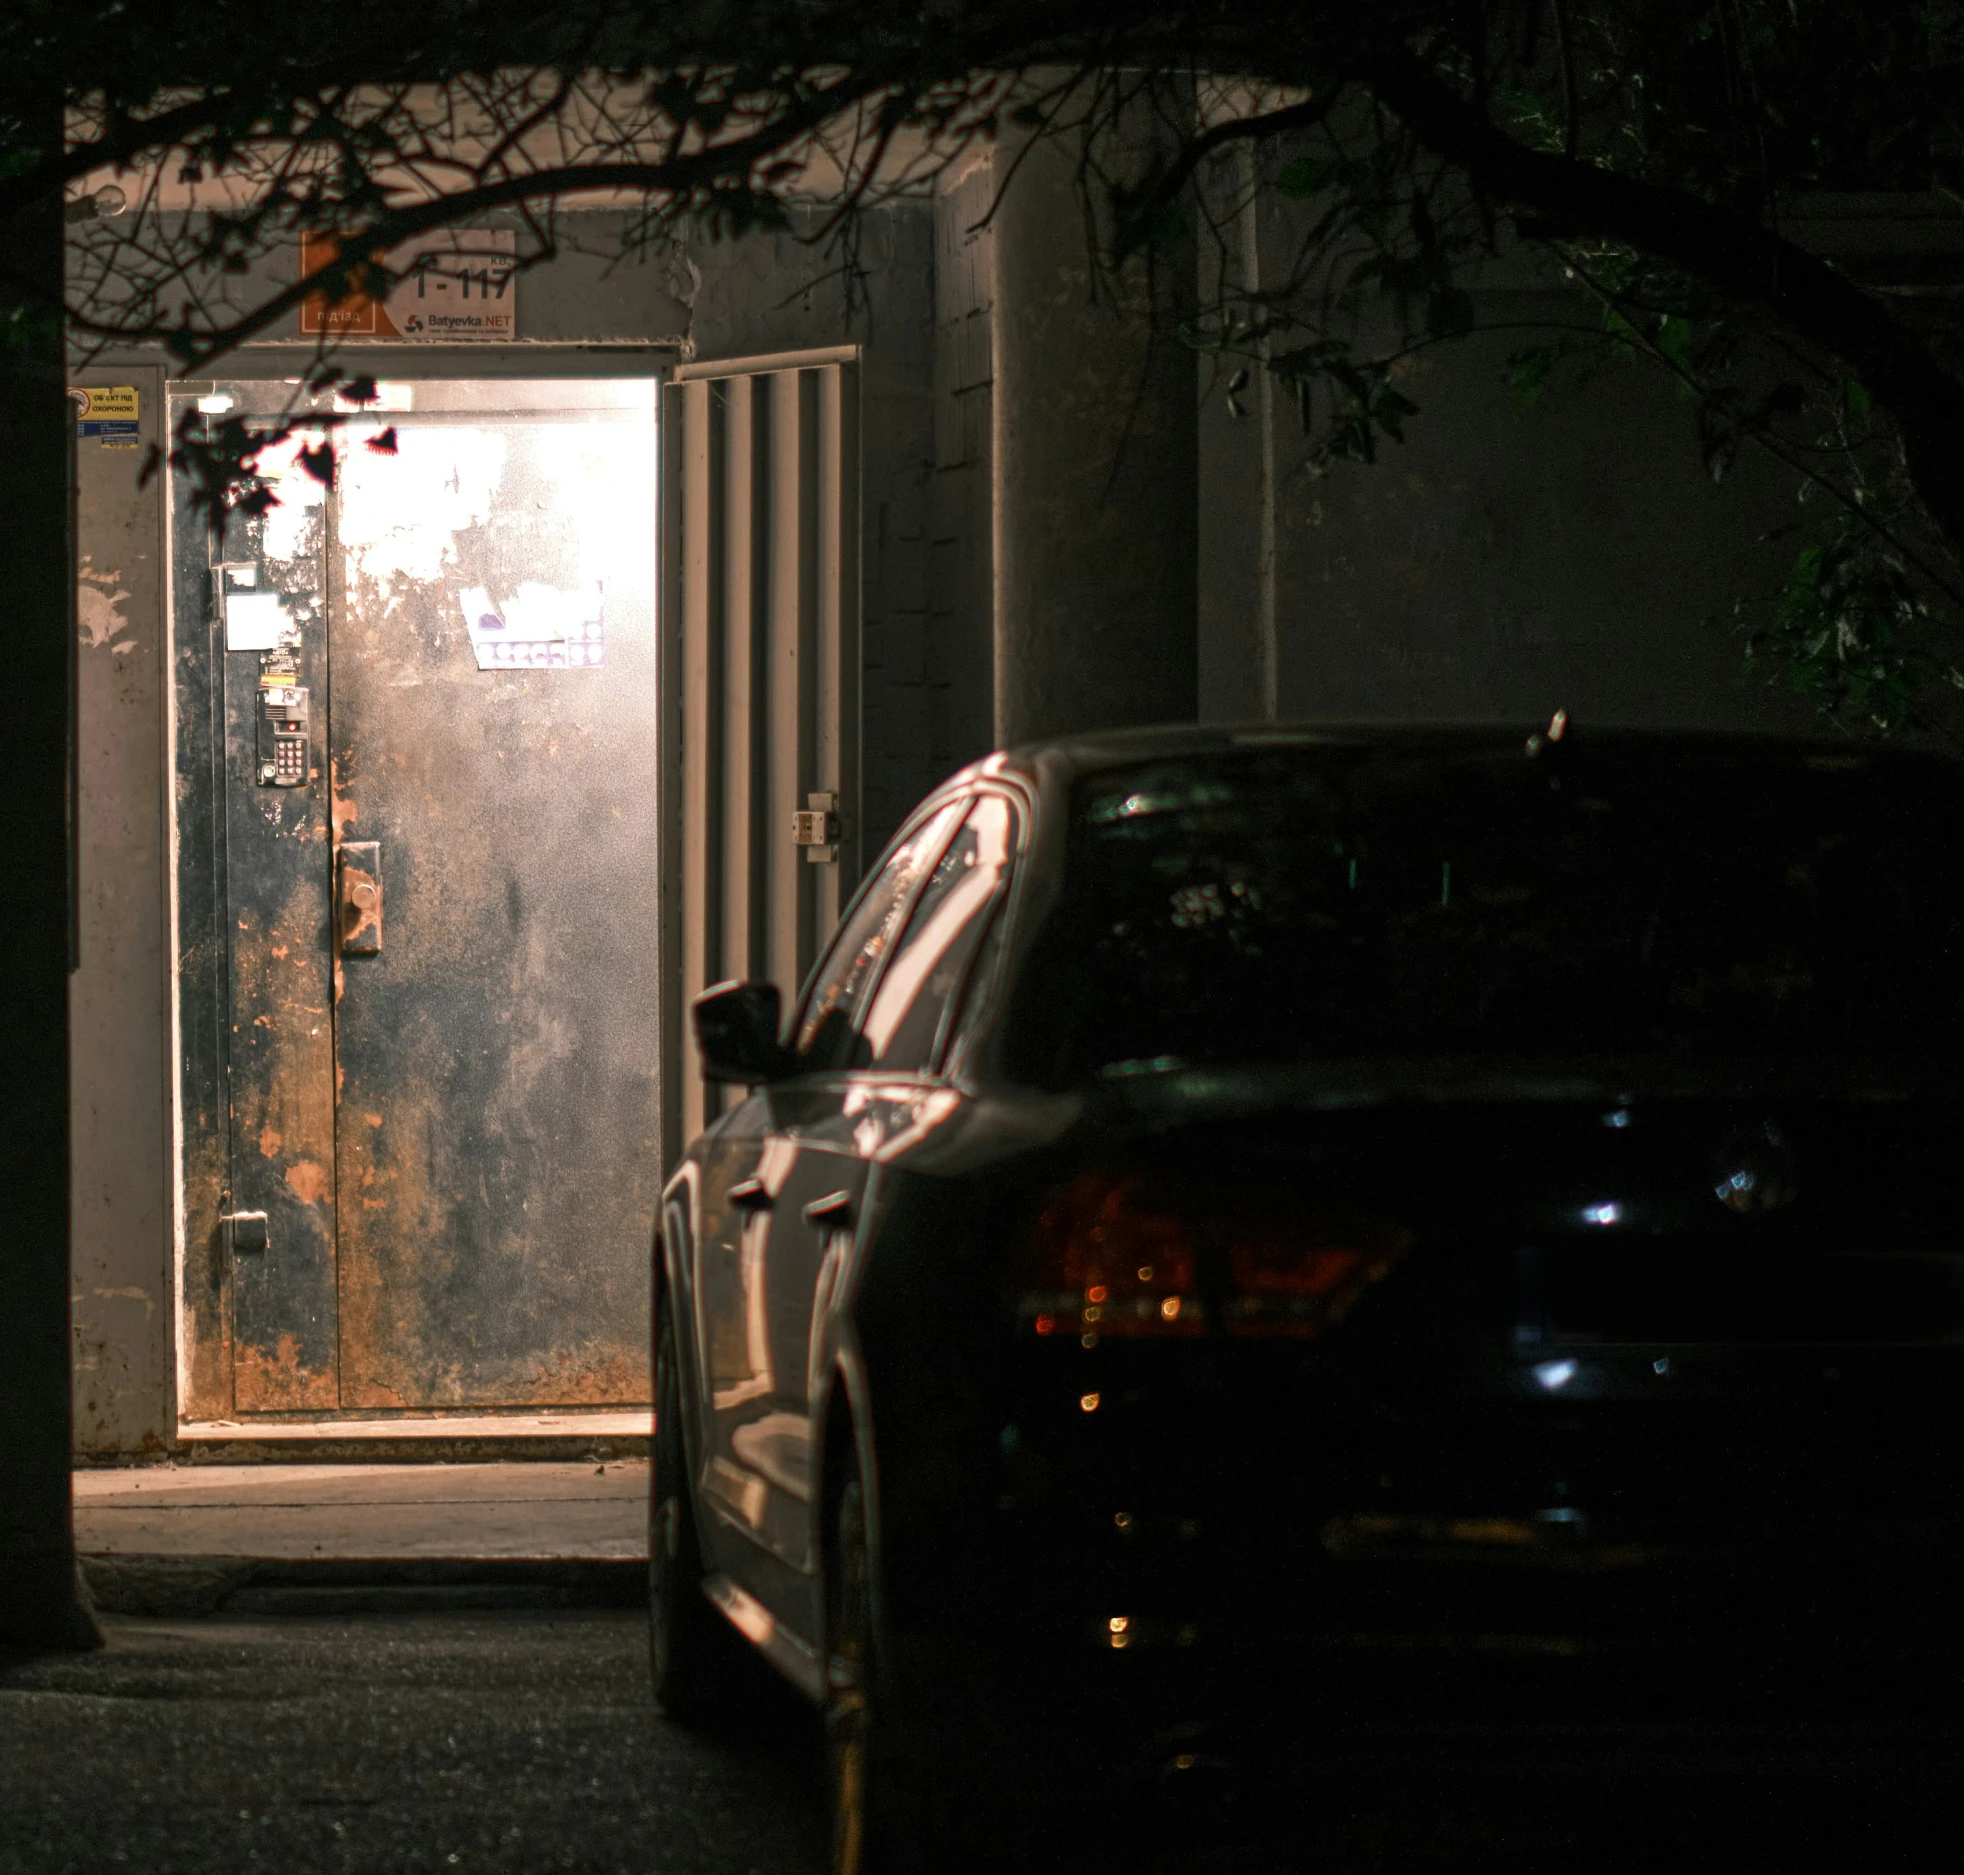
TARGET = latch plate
(815,827)
(245,1232)
(358,897)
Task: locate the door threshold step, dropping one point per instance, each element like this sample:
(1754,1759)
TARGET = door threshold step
(191,1587)
(629,1422)
(417,1439)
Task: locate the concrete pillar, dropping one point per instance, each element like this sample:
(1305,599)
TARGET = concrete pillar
(39,1602)
(1095,457)
(119,998)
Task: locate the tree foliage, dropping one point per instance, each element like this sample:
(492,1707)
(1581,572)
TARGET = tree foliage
(1665,163)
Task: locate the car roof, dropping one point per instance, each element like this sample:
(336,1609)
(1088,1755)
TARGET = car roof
(1046,773)
(1061,759)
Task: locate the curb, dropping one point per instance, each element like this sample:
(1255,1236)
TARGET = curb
(196,1586)
(586,1448)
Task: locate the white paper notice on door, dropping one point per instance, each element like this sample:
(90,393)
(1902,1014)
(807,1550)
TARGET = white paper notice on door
(538,628)
(254,621)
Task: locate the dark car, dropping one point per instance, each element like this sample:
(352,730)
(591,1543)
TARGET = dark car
(1345,1222)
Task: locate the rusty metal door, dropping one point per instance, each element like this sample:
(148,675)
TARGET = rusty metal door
(263,590)
(492,752)
(439,894)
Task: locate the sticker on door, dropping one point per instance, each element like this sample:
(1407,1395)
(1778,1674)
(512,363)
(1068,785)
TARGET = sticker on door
(538,627)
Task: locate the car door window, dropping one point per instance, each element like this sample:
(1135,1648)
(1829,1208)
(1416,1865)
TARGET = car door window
(931,960)
(972,1004)
(825,1024)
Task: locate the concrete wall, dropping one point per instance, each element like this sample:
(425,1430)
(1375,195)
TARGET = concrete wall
(1095,448)
(1506,564)
(1501,563)
(119,996)
(958,655)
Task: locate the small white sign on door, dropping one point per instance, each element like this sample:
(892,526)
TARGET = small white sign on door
(254,621)
(538,628)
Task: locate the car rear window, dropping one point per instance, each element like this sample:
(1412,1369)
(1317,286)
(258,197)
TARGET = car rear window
(1342,901)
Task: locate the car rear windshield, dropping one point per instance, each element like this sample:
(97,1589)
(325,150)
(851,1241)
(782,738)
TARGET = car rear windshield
(1297,904)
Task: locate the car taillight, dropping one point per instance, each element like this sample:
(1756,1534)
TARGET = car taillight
(1120,1254)
(1109,1256)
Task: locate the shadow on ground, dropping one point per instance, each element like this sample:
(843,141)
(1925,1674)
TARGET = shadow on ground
(488,1740)
(525,1739)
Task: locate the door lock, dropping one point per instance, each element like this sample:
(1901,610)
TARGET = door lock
(358,897)
(284,710)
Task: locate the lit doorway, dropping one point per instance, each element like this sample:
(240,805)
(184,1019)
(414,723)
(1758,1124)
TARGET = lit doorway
(418,874)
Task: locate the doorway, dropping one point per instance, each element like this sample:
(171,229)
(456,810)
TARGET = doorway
(417,777)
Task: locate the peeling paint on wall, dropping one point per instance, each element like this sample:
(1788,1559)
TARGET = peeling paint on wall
(97,607)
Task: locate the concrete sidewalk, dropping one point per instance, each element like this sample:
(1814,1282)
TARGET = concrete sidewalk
(484,1512)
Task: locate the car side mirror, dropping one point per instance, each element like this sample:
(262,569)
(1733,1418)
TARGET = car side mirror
(737,1033)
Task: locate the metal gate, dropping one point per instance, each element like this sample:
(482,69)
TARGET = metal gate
(760,643)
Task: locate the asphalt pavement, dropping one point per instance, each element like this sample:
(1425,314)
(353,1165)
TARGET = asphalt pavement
(524,1739)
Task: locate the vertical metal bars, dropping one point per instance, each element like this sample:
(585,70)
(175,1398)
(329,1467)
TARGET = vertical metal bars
(759,606)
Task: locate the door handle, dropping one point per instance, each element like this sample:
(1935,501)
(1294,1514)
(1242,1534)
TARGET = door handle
(358,897)
(751,1194)
(833,1210)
